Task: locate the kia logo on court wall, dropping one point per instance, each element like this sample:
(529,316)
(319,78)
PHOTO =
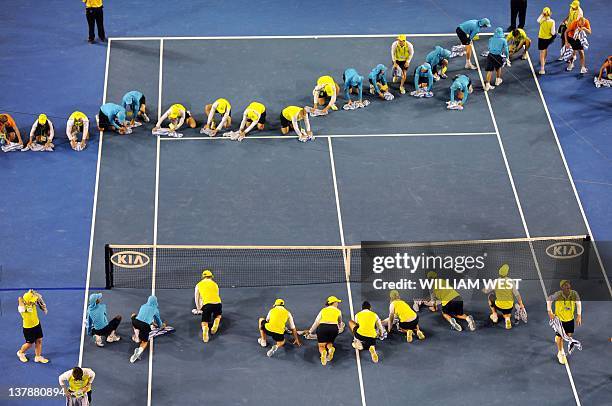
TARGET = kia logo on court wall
(130,259)
(564,250)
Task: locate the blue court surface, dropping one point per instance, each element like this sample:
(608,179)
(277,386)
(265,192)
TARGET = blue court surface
(513,167)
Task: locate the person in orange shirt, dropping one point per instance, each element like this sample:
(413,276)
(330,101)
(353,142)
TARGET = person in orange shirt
(580,25)
(10,138)
(95,16)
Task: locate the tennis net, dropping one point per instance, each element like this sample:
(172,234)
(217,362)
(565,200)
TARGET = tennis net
(176,267)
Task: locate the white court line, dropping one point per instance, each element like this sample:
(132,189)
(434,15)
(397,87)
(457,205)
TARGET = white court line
(569,175)
(312,36)
(284,137)
(520,209)
(155,216)
(347,260)
(93,214)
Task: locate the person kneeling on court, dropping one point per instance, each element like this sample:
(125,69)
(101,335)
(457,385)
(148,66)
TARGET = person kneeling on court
(325,94)
(605,74)
(502,301)
(77,383)
(111,117)
(423,81)
(254,116)
(567,304)
(498,51)
(291,117)
(459,91)
(10,137)
(41,135)
(466,32)
(327,326)
(274,326)
(177,115)
(452,303)
(403,317)
(141,323)
(224,109)
(352,82)
(135,103)
(517,41)
(77,122)
(438,60)
(366,327)
(98,325)
(378,82)
(207,299)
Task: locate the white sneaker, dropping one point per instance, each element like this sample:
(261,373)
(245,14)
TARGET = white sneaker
(136,356)
(570,67)
(455,325)
(22,356)
(471,324)
(524,57)
(469,65)
(99,341)
(583,70)
(272,350)
(436,77)
(562,358)
(357,344)
(262,342)
(112,338)
(135,338)
(498,81)
(542,72)
(494,317)
(488,87)
(371,89)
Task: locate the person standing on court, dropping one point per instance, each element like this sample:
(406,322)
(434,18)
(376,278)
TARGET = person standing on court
(95,16)
(32,330)
(76,383)
(517,8)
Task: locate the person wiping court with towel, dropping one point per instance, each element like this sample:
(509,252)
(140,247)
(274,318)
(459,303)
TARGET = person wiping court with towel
(208,301)
(438,60)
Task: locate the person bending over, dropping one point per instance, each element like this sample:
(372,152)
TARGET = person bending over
(141,323)
(452,303)
(135,103)
(112,117)
(423,80)
(41,135)
(223,109)
(274,326)
(403,316)
(438,60)
(498,50)
(10,137)
(290,117)
(77,123)
(177,115)
(460,90)
(208,301)
(466,31)
(501,298)
(517,41)
(378,81)
(325,94)
(366,327)
(402,52)
(353,82)
(254,116)
(327,326)
(98,324)
(605,72)
(77,383)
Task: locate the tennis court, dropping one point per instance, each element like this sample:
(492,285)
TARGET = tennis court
(410,172)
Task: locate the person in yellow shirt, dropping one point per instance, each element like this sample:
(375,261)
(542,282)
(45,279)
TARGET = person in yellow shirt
(365,328)
(568,308)
(546,36)
(94,12)
(402,52)
(325,94)
(177,115)
(291,117)
(327,326)
(518,40)
(406,318)
(254,115)
(208,301)
(77,123)
(452,303)
(501,298)
(32,330)
(77,383)
(274,326)
(224,109)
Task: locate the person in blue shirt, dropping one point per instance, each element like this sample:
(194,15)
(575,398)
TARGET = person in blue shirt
(460,89)
(352,81)
(498,50)
(141,322)
(423,78)
(135,102)
(98,325)
(378,81)
(466,32)
(111,117)
(438,59)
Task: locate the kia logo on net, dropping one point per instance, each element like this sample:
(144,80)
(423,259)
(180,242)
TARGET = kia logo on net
(564,250)
(130,259)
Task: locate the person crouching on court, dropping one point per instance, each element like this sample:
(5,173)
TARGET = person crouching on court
(405,316)
(135,102)
(567,303)
(402,52)
(325,94)
(438,60)
(223,108)
(365,328)
(177,115)
(352,82)
(452,303)
(32,330)
(254,116)
(290,117)
(274,326)
(327,326)
(208,301)
(111,117)
(10,137)
(77,383)
(502,301)
(498,50)
(98,325)
(460,89)
(466,31)
(77,123)
(517,41)
(423,79)
(141,322)
(378,81)
(41,135)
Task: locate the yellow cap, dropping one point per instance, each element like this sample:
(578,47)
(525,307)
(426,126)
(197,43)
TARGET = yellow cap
(503,270)
(29,297)
(546,11)
(575,4)
(563,282)
(279,302)
(402,37)
(207,274)
(174,112)
(42,119)
(333,299)
(432,275)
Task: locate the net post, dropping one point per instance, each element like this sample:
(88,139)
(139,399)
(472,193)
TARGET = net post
(108,268)
(584,263)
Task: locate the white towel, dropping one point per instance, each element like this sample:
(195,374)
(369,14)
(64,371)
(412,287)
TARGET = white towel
(421,93)
(166,131)
(77,399)
(12,146)
(38,148)
(454,105)
(233,135)
(207,131)
(603,82)
(566,53)
(571,342)
(315,112)
(388,96)
(457,50)
(582,37)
